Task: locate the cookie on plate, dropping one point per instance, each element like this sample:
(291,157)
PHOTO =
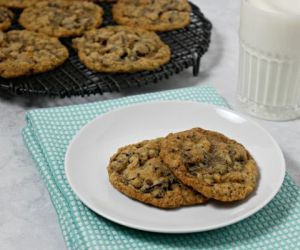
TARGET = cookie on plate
(62,18)
(121,49)
(156,15)
(137,171)
(6,17)
(25,53)
(211,163)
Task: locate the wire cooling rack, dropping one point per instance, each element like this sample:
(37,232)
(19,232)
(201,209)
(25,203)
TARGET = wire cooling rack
(72,78)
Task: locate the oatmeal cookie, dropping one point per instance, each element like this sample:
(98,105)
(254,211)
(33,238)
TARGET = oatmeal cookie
(156,15)
(138,172)
(25,52)
(6,17)
(121,49)
(211,163)
(62,18)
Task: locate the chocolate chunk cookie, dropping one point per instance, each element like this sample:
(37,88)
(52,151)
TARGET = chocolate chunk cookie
(211,163)
(25,52)
(62,18)
(138,172)
(121,49)
(156,15)
(6,17)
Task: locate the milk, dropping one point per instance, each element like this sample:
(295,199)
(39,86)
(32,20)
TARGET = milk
(269,68)
(287,7)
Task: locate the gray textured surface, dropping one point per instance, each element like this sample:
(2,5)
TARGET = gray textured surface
(27,218)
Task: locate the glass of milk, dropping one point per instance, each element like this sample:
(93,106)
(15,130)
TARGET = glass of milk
(269,67)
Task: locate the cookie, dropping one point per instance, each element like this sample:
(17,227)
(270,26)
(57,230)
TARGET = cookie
(138,172)
(211,163)
(6,17)
(62,18)
(25,52)
(121,49)
(156,15)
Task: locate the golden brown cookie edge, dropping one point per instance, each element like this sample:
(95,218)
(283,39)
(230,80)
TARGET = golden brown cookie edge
(148,66)
(179,171)
(161,27)
(115,180)
(14,72)
(61,32)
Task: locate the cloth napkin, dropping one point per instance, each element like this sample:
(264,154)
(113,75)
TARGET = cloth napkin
(47,134)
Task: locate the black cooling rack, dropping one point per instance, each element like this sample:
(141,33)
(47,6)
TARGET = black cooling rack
(73,78)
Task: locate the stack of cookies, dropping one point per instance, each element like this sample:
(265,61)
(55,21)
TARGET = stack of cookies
(130,46)
(185,168)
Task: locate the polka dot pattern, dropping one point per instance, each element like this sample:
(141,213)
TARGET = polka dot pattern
(47,135)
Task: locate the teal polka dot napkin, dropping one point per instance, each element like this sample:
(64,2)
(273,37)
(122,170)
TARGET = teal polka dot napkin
(47,135)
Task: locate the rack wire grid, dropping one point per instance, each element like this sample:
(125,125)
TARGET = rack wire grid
(72,78)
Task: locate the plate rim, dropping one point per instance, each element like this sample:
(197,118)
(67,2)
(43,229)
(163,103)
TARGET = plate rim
(174,231)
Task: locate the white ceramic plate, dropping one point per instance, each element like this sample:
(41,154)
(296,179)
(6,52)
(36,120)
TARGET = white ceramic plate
(89,152)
